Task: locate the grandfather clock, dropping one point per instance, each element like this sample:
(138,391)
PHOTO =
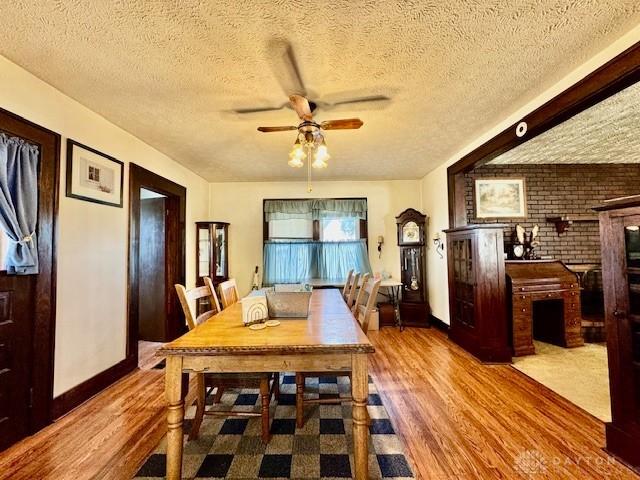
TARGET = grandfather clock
(414,307)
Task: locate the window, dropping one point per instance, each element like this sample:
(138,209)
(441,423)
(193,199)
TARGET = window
(291,228)
(339,229)
(314,239)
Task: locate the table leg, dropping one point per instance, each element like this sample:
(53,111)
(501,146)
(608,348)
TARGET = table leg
(175,416)
(360,393)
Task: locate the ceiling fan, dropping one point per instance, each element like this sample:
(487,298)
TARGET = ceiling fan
(310,137)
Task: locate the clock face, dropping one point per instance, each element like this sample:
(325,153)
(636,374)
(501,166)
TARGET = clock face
(518,251)
(410,233)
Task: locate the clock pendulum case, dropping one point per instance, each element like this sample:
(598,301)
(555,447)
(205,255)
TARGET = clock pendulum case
(414,307)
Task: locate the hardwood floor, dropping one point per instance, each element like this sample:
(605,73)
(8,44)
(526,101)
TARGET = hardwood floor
(458,419)
(461,419)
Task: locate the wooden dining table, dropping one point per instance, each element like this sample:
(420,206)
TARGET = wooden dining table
(330,339)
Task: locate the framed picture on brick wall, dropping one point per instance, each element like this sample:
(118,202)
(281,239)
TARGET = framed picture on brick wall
(500,198)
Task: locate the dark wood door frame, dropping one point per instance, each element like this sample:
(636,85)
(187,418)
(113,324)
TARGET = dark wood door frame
(47,231)
(614,76)
(175,243)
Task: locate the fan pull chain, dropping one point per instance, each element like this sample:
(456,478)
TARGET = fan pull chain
(309,187)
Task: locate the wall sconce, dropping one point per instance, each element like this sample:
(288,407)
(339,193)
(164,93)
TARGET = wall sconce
(438,244)
(380,242)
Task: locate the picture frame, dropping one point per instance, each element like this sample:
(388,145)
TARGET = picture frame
(94,176)
(500,198)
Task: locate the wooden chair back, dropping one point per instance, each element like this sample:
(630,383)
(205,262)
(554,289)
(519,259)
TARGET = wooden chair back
(352,289)
(189,299)
(347,285)
(229,292)
(364,311)
(361,290)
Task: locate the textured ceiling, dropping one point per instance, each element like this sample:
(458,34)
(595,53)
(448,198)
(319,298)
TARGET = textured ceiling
(608,132)
(169,72)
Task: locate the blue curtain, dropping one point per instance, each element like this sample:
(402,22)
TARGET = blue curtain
(297,262)
(288,262)
(19,203)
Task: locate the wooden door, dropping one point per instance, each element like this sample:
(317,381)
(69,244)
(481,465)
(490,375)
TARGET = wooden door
(27,325)
(152,289)
(16,346)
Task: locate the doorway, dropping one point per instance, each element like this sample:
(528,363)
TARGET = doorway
(27,326)
(157,209)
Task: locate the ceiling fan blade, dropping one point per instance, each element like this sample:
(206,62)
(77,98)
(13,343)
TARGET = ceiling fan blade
(276,129)
(285,67)
(243,111)
(380,101)
(346,124)
(301,107)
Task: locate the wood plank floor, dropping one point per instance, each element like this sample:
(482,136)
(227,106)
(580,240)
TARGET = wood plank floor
(457,418)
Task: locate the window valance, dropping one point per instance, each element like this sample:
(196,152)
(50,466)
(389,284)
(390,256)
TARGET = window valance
(315,209)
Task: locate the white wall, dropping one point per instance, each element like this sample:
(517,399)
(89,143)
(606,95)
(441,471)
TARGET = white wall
(240,204)
(434,184)
(92,245)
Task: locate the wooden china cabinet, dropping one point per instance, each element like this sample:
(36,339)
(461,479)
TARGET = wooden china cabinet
(212,252)
(477,286)
(212,257)
(620,243)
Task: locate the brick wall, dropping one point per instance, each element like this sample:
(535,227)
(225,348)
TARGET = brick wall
(560,190)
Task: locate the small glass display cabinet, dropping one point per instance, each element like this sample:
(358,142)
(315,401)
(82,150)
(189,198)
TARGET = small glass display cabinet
(212,240)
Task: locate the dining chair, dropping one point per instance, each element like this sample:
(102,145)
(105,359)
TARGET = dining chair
(352,289)
(363,314)
(361,292)
(229,292)
(347,285)
(206,383)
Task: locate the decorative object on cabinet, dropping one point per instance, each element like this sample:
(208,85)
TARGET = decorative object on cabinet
(524,245)
(500,198)
(477,304)
(414,307)
(93,176)
(545,304)
(620,240)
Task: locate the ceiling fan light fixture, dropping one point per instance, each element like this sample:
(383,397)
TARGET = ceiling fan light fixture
(296,162)
(321,156)
(297,155)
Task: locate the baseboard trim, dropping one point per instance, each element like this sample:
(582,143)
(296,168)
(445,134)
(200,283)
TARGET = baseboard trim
(81,393)
(439,324)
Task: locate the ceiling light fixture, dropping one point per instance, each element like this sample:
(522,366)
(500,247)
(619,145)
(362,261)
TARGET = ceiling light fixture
(309,145)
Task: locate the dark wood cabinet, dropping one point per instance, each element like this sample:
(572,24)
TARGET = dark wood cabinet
(477,302)
(620,240)
(414,307)
(212,257)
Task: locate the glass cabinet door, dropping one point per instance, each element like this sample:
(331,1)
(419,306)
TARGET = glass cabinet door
(204,252)
(632,257)
(632,254)
(464,278)
(220,253)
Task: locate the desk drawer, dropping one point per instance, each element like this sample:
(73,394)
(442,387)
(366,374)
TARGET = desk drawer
(543,287)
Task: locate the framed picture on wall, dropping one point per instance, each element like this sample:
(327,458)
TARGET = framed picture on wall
(93,176)
(500,198)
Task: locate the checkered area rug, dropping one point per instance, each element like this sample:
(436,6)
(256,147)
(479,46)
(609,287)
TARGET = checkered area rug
(322,449)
